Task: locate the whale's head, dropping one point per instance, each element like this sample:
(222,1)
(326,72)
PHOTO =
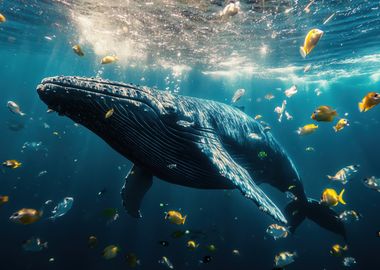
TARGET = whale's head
(107,108)
(87,100)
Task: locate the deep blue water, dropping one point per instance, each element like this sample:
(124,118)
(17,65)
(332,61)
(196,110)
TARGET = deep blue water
(79,164)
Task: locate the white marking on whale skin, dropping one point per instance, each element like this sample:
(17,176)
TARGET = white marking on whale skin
(184,123)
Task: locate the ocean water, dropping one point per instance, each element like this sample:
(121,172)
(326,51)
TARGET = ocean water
(185,47)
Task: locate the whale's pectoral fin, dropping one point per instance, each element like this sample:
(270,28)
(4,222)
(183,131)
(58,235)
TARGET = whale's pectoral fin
(242,180)
(137,183)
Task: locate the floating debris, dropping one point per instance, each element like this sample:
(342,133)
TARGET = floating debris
(164,243)
(48,202)
(62,208)
(12,163)
(78,50)
(179,234)
(42,173)
(34,244)
(284,259)
(110,252)
(342,123)
(309,149)
(206,259)
(175,217)
(349,216)
(324,114)
(236,252)
(307,8)
(311,40)
(369,101)
(277,231)
(184,123)
(33,146)
(165,261)
(238,94)
(102,192)
(291,91)
(109,59)
(111,214)
(280,110)
(372,183)
(14,108)
(345,174)
(307,68)
(109,113)
(318,92)
(307,129)
(269,96)
(349,261)
(331,198)
(4,200)
(338,250)
(329,19)
(132,260)
(172,166)
(26,216)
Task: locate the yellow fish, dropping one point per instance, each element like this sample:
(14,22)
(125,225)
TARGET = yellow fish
(192,245)
(78,50)
(324,114)
(2,18)
(4,200)
(257,117)
(110,252)
(109,113)
(311,41)
(331,198)
(369,101)
(338,250)
(109,59)
(175,217)
(26,216)
(14,164)
(342,123)
(308,129)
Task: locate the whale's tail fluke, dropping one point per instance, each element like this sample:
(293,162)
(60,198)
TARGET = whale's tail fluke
(297,210)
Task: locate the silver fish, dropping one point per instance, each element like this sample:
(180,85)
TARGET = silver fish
(345,174)
(372,183)
(15,108)
(238,94)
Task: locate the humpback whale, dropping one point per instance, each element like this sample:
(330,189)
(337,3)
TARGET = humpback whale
(185,141)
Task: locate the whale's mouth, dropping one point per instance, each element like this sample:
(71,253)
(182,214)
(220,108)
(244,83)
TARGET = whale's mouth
(62,93)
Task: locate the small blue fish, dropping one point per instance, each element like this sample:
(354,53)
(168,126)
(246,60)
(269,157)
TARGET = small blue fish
(34,244)
(62,208)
